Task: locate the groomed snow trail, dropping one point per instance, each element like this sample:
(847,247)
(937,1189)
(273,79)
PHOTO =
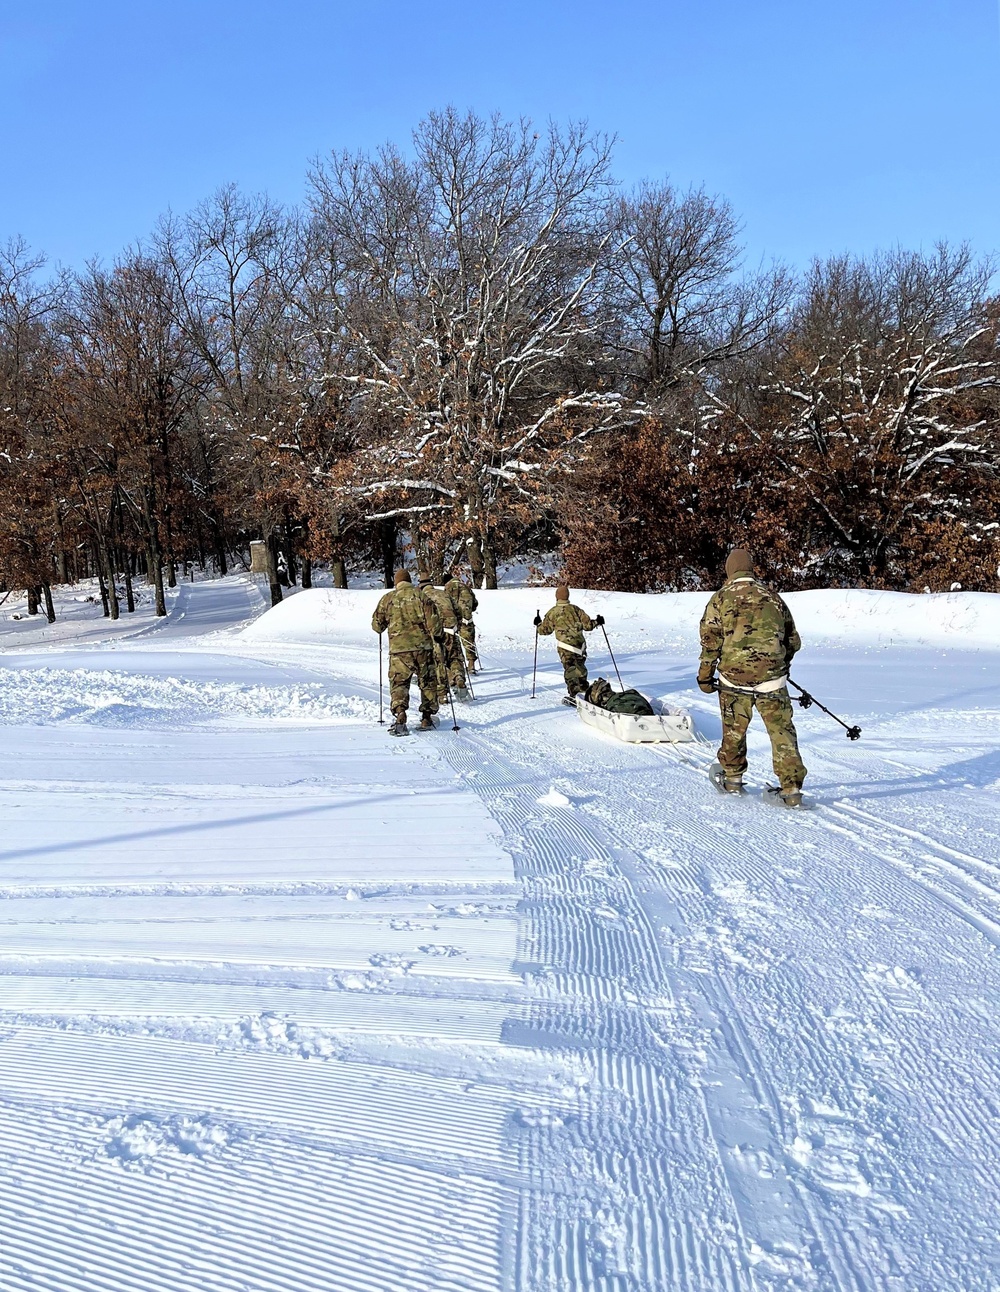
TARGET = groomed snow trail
(284,1004)
(255,971)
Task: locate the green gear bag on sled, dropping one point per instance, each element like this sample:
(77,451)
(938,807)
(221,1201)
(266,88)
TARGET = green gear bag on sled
(601,693)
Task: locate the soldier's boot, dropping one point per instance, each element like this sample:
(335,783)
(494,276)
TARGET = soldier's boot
(399,727)
(725,782)
(427,723)
(792,797)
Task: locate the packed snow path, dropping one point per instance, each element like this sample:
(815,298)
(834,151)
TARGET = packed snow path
(285,1004)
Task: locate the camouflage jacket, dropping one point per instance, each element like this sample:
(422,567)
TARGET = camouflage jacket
(462,597)
(410,618)
(569,623)
(442,602)
(747,632)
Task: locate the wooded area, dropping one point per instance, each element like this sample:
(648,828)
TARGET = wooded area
(482,349)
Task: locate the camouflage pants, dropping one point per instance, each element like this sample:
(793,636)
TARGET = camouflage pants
(776,709)
(468,635)
(450,667)
(574,671)
(407,664)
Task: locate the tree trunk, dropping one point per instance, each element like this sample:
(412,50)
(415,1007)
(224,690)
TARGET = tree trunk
(61,574)
(154,575)
(104,591)
(108,561)
(387,539)
(154,566)
(129,595)
(489,564)
(32,600)
(50,610)
(171,571)
(271,547)
(338,567)
(307,573)
(220,548)
(289,548)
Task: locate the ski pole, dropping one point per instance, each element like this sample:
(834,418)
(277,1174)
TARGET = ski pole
(534,667)
(454,718)
(612,654)
(447,687)
(805,700)
(381,707)
(468,670)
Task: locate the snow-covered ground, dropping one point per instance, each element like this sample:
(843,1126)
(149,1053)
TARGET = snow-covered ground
(285,1004)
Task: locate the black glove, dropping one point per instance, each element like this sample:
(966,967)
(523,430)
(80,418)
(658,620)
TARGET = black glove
(707,682)
(537,619)
(599,621)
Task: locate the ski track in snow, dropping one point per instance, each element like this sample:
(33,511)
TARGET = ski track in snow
(286,1005)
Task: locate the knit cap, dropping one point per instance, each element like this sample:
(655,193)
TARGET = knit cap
(738,562)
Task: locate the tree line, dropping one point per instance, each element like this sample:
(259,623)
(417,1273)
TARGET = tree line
(479,349)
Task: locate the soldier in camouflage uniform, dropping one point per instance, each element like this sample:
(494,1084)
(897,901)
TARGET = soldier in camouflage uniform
(466,604)
(415,629)
(448,660)
(747,633)
(569,623)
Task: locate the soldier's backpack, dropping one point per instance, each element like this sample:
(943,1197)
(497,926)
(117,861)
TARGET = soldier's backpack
(631,701)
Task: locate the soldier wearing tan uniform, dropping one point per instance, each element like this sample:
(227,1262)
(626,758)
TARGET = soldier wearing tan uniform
(748,635)
(568,623)
(448,659)
(415,629)
(466,604)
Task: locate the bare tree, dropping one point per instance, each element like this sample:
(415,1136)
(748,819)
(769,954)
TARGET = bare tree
(678,304)
(469,285)
(138,381)
(230,265)
(879,406)
(32,512)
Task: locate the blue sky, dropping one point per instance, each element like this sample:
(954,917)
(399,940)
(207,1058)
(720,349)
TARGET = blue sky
(830,127)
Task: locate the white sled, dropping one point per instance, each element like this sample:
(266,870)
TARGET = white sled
(666,724)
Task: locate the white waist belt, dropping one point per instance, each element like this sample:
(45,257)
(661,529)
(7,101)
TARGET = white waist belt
(762,688)
(577,650)
(452,631)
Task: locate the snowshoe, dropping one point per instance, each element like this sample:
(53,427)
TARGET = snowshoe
(427,723)
(461,694)
(570,700)
(399,729)
(723,783)
(783,798)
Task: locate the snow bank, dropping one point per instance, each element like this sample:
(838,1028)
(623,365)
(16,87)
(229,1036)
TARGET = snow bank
(665,621)
(100,697)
